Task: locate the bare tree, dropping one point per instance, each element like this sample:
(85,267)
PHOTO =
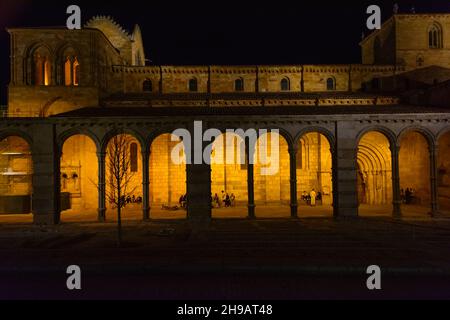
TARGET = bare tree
(119,183)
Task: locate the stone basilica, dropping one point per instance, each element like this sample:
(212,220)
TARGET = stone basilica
(369,138)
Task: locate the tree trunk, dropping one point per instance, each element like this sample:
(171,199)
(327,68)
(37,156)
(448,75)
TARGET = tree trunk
(119,218)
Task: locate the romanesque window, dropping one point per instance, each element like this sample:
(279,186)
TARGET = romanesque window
(239,84)
(193,85)
(134,157)
(71,68)
(435,37)
(285,84)
(147,86)
(41,68)
(331,84)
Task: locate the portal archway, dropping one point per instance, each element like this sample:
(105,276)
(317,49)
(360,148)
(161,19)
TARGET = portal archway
(79,179)
(314,175)
(374,163)
(415,183)
(167,177)
(272,176)
(229,177)
(16,180)
(124,151)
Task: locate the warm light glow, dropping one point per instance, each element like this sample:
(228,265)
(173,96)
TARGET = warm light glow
(46,73)
(67,72)
(76,72)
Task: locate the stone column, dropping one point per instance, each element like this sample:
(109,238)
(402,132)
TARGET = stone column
(434,180)
(101,158)
(346,171)
(396,197)
(250,159)
(145,184)
(198,175)
(293,180)
(46,176)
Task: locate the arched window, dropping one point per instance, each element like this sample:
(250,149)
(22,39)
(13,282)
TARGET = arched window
(193,85)
(71,68)
(239,84)
(285,84)
(147,86)
(331,84)
(435,37)
(134,157)
(76,72)
(41,67)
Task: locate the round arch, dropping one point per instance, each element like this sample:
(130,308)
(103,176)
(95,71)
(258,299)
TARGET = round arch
(17,133)
(386,132)
(63,137)
(427,134)
(323,131)
(126,131)
(374,165)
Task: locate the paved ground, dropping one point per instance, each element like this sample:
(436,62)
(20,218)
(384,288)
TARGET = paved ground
(318,257)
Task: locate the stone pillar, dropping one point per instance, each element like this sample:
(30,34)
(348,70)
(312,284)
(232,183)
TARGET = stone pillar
(101,158)
(396,197)
(145,184)
(46,176)
(293,180)
(434,180)
(198,175)
(346,171)
(250,159)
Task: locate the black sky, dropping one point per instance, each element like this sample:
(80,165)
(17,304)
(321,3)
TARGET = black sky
(221,32)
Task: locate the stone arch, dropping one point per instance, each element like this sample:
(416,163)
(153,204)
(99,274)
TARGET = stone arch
(229,173)
(78,162)
(17,133)
(41,71)
(374,165)
(62,53)
(441,133)
(415,166)
(118,131)
(315,161)
(272,176)
(43,112)
(427,134)
(388,133)
(167,176)
(64,136)
(323,131)
(16,179)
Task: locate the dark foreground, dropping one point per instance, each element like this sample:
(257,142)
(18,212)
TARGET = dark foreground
(235,259)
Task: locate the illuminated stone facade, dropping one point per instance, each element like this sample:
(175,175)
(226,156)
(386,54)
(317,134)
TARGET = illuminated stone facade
(358,133)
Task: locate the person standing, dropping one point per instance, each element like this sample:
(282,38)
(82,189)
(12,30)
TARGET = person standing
(313,195)
(224,197)
(232,199)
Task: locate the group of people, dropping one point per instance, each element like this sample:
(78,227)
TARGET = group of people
(226,200)
(407,196)
(125,200)
(312,197)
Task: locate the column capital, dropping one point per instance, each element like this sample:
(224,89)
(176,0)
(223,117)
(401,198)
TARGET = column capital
(293,150)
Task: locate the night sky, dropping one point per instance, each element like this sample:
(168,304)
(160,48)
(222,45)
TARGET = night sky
(221,32)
